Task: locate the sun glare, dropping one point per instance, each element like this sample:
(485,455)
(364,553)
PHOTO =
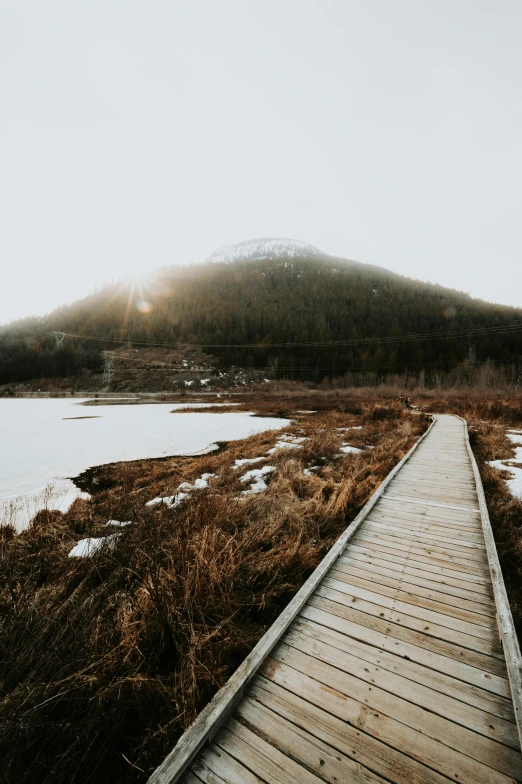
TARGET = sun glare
(143,306)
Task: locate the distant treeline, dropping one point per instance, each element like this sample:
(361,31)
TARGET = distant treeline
(256,314)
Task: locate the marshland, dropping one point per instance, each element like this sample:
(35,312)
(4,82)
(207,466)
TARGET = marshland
(107,658)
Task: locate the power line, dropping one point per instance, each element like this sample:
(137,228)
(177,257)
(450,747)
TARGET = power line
(383,339)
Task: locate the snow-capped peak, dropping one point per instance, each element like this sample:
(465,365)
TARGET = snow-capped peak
(265,248)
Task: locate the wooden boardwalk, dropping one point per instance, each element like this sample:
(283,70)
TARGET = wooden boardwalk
(388,666)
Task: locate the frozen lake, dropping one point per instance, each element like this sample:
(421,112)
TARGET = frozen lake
(43,444)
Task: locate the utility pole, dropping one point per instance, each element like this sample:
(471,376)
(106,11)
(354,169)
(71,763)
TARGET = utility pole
(108,367)
(59,337)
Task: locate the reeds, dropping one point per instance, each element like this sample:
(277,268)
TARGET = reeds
(106,660)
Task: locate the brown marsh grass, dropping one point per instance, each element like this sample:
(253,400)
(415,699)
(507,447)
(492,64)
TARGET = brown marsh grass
(106,660)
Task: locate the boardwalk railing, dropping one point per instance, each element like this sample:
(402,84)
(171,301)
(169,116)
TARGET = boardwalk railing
(506,627)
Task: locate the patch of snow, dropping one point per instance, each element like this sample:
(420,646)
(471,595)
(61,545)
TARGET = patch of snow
(515,483)
(118,523)
(348,449)
(515,438)
(256,474)
(183,491)
(309,471)
(204,381)
(87,547)
(247,461)
(188,383)
(304,411)
(265,248)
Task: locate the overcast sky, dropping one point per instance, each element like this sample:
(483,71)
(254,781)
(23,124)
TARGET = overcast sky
(142,133)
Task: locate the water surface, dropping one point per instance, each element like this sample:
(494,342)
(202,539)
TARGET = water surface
(43,443)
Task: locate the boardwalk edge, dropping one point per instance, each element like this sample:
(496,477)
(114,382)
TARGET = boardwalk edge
(224,701)
(506,626)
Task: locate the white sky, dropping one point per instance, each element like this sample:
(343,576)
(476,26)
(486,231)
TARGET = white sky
(140,133)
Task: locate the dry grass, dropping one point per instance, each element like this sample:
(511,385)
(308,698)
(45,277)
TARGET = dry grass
(106,660)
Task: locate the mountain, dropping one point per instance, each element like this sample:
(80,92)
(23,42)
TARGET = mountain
(294,312)
(266,248)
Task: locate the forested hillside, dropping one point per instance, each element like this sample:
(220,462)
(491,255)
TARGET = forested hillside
(278,314)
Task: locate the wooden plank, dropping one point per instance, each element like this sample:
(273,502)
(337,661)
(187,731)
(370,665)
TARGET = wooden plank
(476,564)
(414,477)
(414,507)
(430,528)
(364,577)
(443,519)
(219,708)
(445,578)
(302,745)
(477,668)
(215,766)
(190,778)
(398,684)
(433,505)
(437,566)
(410,613)
(448,495)
(440,681)
(385,761)
(459,545)
(443,527)
(255,753)
(399,538)
(497,757)
(505,619)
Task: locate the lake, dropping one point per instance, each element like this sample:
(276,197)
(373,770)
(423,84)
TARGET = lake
(45,442)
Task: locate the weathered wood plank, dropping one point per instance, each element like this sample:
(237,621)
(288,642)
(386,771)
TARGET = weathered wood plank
(400,736)
(303,745)
(369,751)
(496,755)
(477,667)
(397,662)
(399,684)
(364,576)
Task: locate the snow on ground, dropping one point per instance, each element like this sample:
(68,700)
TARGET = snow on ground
(257,475)
(514,484)
(181,493)
(87,547)
(118,523)
(346,448)
(247,461)
(264,248)
(310,471)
